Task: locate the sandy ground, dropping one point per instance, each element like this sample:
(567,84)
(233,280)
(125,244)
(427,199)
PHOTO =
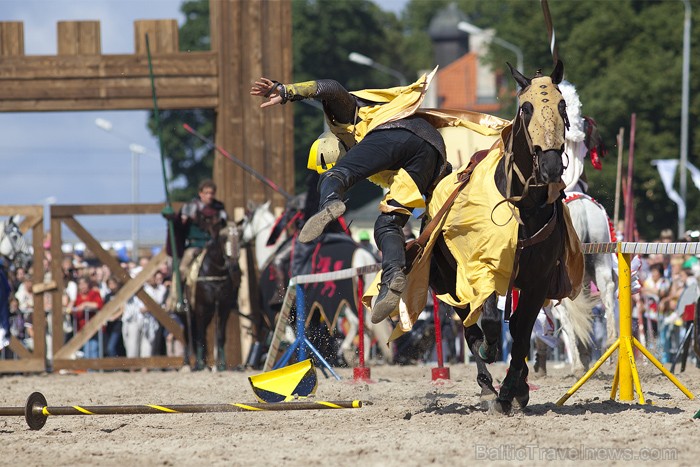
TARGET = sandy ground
(405,420)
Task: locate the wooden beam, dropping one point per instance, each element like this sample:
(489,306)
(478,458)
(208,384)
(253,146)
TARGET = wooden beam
(19,349)
(107,66)
(11,39)
(117,363)
(79,38)
(24,365)
(99,82)
(70,210)
(163,36)
(58,105)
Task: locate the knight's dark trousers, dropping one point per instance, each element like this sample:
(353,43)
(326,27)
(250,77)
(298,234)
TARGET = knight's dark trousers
(389,149)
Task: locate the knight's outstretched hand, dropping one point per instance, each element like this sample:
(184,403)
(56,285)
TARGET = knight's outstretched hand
(265,87)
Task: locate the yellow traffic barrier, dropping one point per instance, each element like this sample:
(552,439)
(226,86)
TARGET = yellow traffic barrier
(626,375)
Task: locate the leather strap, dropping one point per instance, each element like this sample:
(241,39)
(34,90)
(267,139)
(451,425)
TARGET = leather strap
(539,236)
(463,178)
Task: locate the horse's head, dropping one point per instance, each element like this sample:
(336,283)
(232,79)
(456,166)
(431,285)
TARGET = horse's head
(540,126)
(257,219)
(13,245)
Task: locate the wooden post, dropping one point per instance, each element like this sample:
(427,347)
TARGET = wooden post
(11,38)
(79,38)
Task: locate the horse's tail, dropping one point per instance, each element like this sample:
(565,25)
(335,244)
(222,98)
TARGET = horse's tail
(576,316)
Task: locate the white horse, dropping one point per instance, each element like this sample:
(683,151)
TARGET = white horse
(13,245)
(592,225)
(257,227)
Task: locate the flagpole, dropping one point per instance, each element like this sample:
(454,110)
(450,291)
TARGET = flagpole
(629,196)
(618,178)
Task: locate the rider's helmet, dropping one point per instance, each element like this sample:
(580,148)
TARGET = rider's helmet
(325,152)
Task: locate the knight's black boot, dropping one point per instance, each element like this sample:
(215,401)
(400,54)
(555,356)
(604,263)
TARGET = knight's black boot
(388,233)
(331,187)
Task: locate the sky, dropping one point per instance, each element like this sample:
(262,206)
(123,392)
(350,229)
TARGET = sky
(64,157)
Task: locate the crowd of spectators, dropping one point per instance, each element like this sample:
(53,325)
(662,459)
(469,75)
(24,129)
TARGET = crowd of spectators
(131,330)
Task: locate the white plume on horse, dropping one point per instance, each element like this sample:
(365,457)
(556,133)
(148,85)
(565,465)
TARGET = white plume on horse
(575,132)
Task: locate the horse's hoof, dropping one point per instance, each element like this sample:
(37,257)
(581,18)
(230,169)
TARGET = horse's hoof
(488,352)
(522,401)
(500,406)
(487,397)
(221,367)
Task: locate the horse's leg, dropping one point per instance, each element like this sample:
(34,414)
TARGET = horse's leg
(199,336)
(514,385)
(474,337)
(382,332)
(223,311)
(346,350)
(491,327)
(606,284)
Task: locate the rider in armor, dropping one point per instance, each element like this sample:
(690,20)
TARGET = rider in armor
(373,134)
(192,216)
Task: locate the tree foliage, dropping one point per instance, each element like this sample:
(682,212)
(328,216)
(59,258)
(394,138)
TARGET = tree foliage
(624,57)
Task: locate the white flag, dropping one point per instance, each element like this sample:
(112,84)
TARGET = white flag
(694,174)
(667,171)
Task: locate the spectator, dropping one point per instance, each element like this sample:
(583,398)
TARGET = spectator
(113,333)
(87,304)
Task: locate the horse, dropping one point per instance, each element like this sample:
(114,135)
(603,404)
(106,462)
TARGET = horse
(592,225)
(527,171)
(213,291)
(13,245)
(15,249)
(331,252)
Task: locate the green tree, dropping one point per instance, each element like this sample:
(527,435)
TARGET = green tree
(190,160)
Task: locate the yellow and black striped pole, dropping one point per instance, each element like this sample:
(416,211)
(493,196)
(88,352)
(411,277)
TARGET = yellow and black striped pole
(36,411)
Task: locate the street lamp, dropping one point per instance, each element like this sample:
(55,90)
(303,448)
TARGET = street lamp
(136,151)
(366,61)
(685,92)
(471,29)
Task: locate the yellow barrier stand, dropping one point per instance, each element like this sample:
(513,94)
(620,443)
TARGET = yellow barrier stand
(626,376)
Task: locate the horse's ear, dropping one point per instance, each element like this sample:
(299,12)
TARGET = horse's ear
(266,205)
(519,78)
(558,73)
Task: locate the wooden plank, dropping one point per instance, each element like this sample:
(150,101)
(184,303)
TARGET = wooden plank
(19,349)
(58,105)
(22,210)
(69,210)
(42,287)
(117,363)
(11,39)
(107,66)
(25,365)
(57,295)
(123,87)
(79,38)
(39,314)
(29,222)
(163,36)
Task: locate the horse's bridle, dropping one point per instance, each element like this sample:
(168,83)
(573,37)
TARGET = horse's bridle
(10,229)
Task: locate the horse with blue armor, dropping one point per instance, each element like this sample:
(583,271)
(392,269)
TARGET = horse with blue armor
(500,223)
(14,252)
